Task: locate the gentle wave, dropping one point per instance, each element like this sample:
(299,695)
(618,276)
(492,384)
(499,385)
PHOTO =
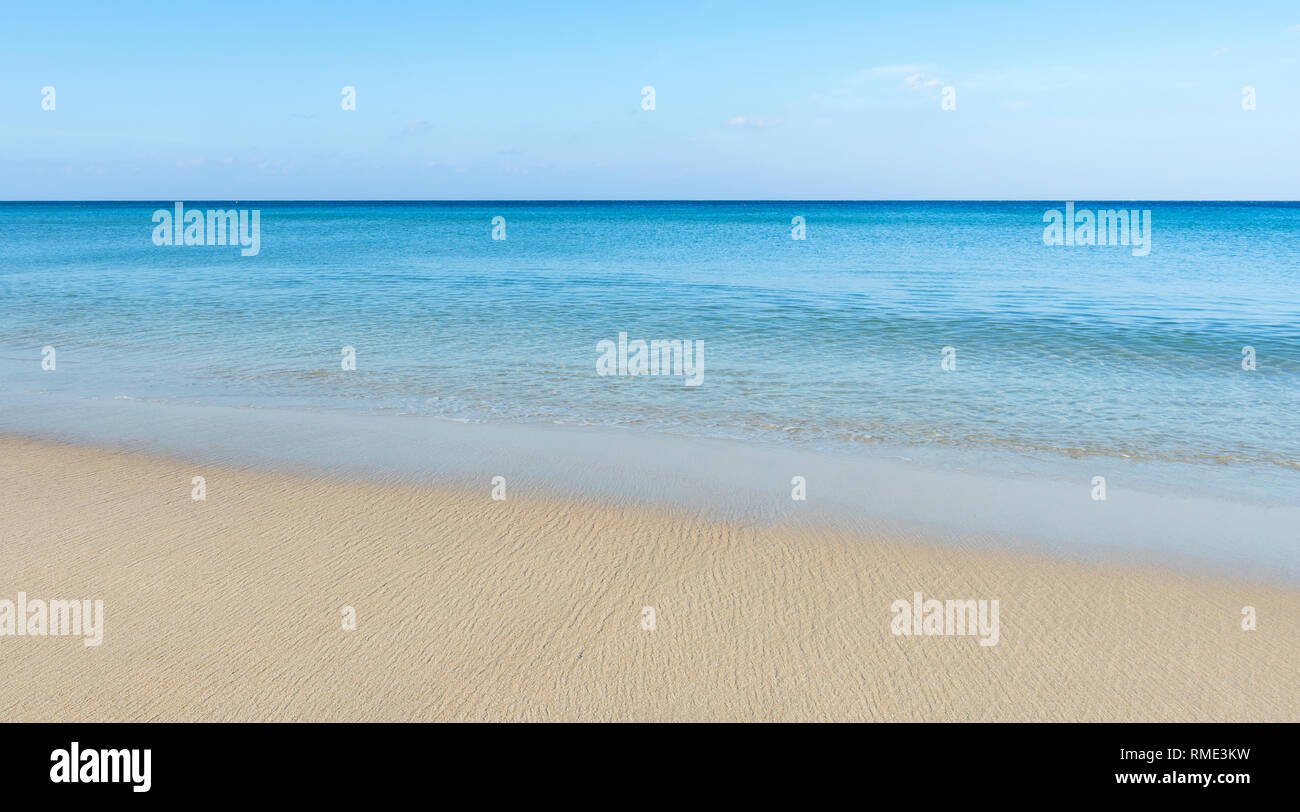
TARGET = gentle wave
(834,341)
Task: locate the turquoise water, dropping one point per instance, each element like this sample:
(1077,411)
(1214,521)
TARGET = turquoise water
(829,343)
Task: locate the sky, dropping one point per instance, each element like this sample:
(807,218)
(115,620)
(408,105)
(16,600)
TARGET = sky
(479,100)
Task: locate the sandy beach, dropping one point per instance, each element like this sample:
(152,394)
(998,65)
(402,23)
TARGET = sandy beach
(466,608)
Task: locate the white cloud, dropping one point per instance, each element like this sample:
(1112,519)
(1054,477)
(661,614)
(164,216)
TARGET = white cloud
(919,81)
(753,123)
(860,89)
(272,167)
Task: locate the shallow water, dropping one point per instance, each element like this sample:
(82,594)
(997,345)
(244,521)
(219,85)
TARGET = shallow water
(1069,360)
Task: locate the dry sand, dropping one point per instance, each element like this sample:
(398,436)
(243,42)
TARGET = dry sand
(531,609)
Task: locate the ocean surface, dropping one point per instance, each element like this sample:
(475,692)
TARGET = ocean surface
(1068,359)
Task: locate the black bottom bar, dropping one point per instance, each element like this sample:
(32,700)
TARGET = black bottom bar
(617,763)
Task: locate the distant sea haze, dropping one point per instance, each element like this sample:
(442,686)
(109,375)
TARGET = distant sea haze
(890,327)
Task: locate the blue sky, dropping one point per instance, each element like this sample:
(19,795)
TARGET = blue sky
(233,100)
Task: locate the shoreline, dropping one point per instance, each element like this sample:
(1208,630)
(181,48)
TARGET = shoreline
(531,608)
(1013,502)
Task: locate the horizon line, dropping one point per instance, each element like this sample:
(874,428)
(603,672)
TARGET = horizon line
(654,200)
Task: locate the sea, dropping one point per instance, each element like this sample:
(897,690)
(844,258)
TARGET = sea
(932,362)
